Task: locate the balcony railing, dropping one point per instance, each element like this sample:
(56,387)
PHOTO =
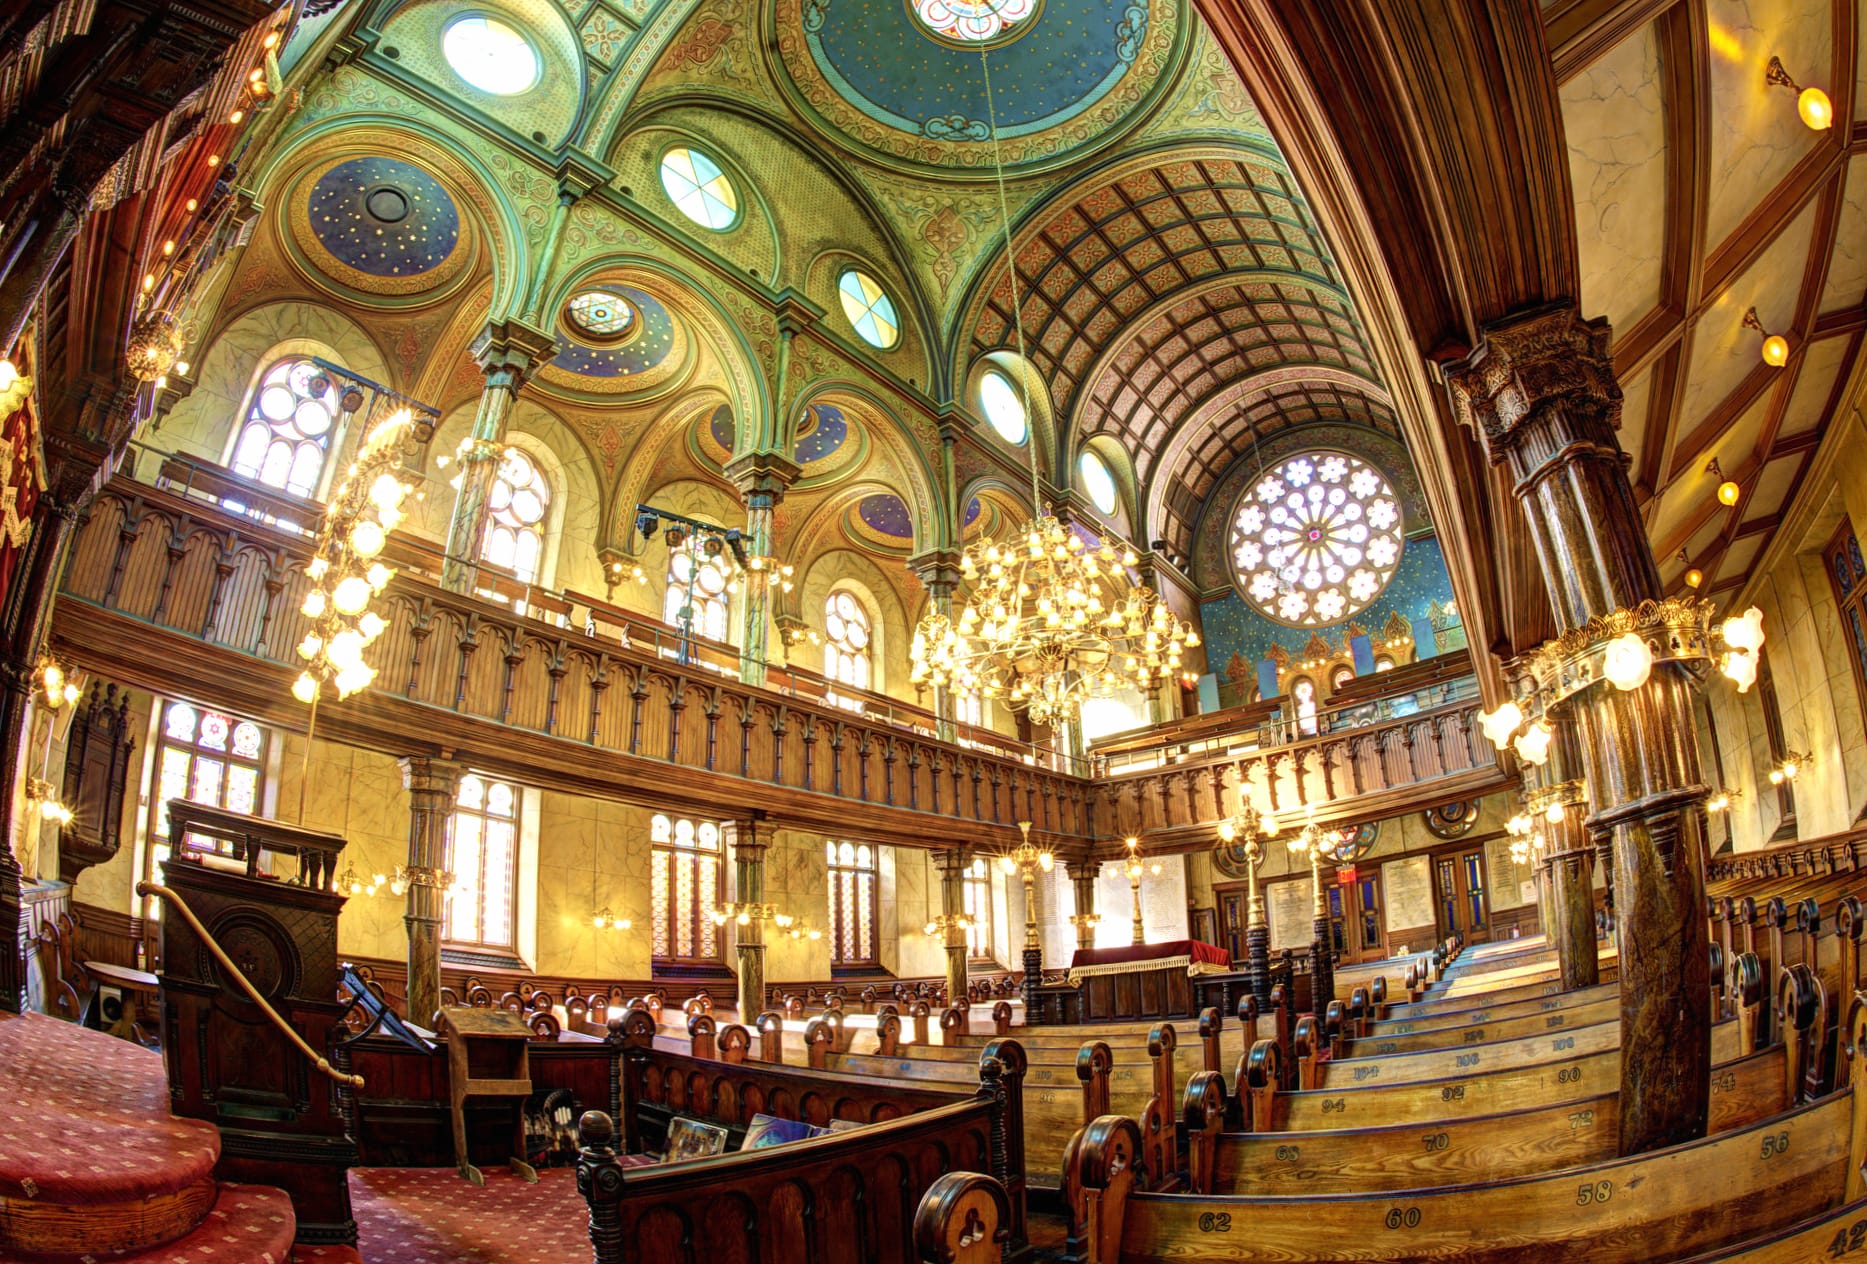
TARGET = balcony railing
(164,562)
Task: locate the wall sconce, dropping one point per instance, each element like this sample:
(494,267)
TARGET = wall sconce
(1775,350)
(1789,769)
(1720,801)
(1728,490)
(1693,575)
(1817,111)
(605,920)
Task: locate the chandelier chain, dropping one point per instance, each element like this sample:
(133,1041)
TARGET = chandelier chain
(1017,303)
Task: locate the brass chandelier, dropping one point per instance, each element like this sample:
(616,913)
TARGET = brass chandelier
(1050,620)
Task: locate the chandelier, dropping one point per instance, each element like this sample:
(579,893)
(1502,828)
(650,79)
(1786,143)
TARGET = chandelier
(1049,621)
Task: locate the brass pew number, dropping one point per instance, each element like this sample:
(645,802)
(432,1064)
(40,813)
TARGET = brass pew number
(1215,1222)
(1286,1154)
(1560,1043)
(1436,1141)
(1456,1093)
(1466,1060)
(1599,1192)
(1775,1145)
(1569,1075)
(1403,1218)
(1849,1240)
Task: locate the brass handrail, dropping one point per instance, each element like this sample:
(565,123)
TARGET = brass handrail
(246,984)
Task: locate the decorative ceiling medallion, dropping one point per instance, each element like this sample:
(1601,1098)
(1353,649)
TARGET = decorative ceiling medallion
(1452,820)
(1316,539)
(651,346)
(380,225)
(902,78)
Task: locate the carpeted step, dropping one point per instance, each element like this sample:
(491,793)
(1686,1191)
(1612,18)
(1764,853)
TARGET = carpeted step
(91,1161)
(325,1255)
(250,1224)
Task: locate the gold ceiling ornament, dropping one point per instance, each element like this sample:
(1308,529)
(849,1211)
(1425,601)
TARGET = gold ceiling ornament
(157,341)
(1050,620)
(1621,649)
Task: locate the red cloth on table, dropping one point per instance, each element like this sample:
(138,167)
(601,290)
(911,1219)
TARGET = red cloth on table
(1201,954)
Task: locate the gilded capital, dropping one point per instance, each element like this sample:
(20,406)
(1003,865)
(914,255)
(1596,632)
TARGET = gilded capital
(1527,363)
(767,475)
(508,350)
(938,569)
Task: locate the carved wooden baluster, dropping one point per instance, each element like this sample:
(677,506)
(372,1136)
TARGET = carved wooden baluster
(173,553)
(914,776)
(810,751)
(555,668)
(836,759)
(937,766)
(273,585)
(977,769)
(1328,751)
(780,725)
(888,769)
(224,558)
(711,710)
(677,703)
(514,656)
(865,746)
(469,642)
(599,686)
(997,780)
(421,624)
(127,531)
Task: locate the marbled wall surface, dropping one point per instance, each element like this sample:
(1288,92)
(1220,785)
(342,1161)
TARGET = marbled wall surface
(1756,137)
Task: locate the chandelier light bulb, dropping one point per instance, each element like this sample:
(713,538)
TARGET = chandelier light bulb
(1741,668)
(1744,631)
(1554,813)
(368,538)
(305,688)
(1813,107)
(1498,725)
(314,604)
(1628,661)
(345,650)
(1533,743)
(351,595)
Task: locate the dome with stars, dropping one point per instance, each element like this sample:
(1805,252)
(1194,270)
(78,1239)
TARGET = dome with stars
(381,225)
(651,347)
(881,520)
(828,440)
(905,80)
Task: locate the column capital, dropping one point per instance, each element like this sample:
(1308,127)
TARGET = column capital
(508,350)
(1528,362)
(748,836)
(795,313)
(427,774)
(766,474)
(577,173)
(1083,869)
(936,567)
(952,862)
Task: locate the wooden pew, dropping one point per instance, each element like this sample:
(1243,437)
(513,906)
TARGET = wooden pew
(1542,1002)
(1804,1163)
(1484,1025)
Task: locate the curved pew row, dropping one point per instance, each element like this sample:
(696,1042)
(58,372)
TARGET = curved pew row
(1645,1209)
(1541,1002)
(1430,1004)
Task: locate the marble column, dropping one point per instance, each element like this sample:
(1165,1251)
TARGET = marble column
(749,839)
(1257,938)
(506,352)
(433,785)
(952,864)
(938,572)
(1571,858)
(762,478)
(1541,395)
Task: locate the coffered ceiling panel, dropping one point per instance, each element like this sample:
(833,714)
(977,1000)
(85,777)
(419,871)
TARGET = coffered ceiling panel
(1847,268)
(1690,500)
(1616,123)
(1815,382)
(1636,398)
(1756,138)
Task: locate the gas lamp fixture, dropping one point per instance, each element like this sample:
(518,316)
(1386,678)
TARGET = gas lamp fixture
(1026,859)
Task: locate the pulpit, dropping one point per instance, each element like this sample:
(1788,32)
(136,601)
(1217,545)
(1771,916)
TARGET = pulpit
(230,1062)
(1139,981)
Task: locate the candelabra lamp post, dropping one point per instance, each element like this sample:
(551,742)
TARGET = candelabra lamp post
(1133,866)
(1245,833)
(1026,859)
(1319,844)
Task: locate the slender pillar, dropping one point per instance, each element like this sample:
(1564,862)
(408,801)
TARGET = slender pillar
(506,351)
(1257,934)
(1541,394)
(1322,943)
(938,572)
(952,864)
(1033,945)
(1571,860)
(749,839)
(762,479)
(433,785)
(1083,886)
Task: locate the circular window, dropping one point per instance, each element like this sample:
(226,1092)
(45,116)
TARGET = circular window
(1317,539)
(601,315)
(490,55)
(1097,481)
(972,21)
(869,309)
(695,184)
(999,398)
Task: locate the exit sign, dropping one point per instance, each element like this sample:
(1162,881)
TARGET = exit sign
(1345,876)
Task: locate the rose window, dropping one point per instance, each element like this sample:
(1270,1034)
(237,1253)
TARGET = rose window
(972,21)
(1316,539)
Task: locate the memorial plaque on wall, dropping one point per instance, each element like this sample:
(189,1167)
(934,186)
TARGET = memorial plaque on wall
(1292,913)
(1508,878)
(1407,886)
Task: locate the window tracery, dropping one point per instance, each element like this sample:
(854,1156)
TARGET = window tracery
(1316,539)
(685,883)
(286,436)
(516,512)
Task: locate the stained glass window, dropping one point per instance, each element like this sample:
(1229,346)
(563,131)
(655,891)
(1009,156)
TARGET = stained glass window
(1003,407)
(846,641)
(972,21)
(869,309)
(1097,481)
(490,55)
(483,856)
(706,593)
(695,184)
(515,530)
(852,903)
(205,756)
(978,890)
(1316,539)
(1303,693)
(601,314)
(1847,572)
(685,885)
(287,433)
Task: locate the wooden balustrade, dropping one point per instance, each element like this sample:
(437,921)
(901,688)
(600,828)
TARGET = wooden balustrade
(147,562)
(1365,771)
(158,584)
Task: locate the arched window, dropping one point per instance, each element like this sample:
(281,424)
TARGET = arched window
(515,516)
(1383,663)
(979,911)
(483,856)
(699,583)
(203,756)
(969,708)
(1303,693)
(286,436)
(1342,674)
(852,903)
(685,878)
(846,640)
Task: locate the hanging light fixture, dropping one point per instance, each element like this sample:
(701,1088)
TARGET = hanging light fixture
(1775,349)
(1728,490)
(1052,619)
(1812,104)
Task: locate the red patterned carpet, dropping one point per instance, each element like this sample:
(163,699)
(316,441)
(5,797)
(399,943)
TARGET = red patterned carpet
(428,1215)
(86,1118)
